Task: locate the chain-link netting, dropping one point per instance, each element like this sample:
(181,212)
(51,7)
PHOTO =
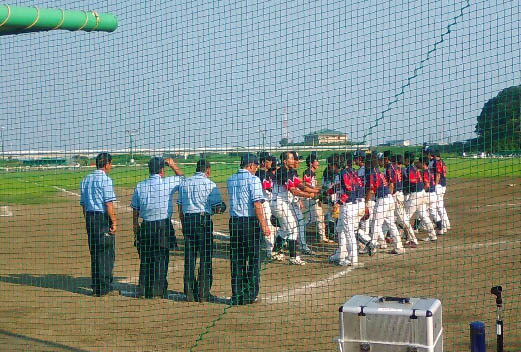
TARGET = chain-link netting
(386,141)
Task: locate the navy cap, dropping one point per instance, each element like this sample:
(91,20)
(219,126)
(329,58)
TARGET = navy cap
(311,158)
(155,165)
(247,159)
(387,154)
(264,156)
(272,159)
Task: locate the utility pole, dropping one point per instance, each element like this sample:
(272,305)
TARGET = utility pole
(131,133)
(263,131)
(2,128)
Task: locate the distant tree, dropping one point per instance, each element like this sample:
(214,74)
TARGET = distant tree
(499,124)
(284,142)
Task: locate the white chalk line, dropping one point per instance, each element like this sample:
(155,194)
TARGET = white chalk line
(294,292)
(504,205)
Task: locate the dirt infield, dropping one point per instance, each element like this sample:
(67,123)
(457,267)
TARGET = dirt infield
(45,301)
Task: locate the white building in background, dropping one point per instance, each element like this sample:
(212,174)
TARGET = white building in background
(325,137)
(398,143)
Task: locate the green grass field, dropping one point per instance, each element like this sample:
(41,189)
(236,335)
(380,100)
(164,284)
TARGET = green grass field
(38,186)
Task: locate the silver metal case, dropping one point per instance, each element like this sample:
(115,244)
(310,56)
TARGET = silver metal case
(390,324)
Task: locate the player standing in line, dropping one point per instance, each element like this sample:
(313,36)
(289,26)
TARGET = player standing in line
(313,212)
(440,171)
(365,227)
(416,203)
(384,221)
(298,205)
(266,176)
(328,193)
(430,190)
(352,208)
(284,191)
(393,174)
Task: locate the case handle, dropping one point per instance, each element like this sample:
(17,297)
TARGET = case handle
(402,300)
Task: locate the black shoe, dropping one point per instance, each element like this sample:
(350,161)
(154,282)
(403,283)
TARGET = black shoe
(370,249)
(191,297)
(236,301)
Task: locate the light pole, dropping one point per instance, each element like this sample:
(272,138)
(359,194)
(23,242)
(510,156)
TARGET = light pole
(2,128)
(263,138)
(131,133)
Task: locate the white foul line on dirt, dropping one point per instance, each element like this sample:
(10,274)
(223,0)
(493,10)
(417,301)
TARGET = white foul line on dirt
(291,293)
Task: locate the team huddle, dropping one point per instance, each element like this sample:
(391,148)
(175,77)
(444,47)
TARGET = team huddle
(371,200)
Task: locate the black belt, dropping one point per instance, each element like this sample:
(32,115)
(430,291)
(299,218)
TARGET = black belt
(155,221)
(202,214)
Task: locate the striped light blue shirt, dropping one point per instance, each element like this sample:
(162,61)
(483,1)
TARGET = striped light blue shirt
(153,197)
(96,190)
(198,194)
(243,190)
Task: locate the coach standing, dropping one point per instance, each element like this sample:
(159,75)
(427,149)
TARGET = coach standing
(246,223)
(97,197)
(198,199)
(152,201)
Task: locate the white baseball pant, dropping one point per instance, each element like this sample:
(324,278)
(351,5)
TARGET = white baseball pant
(401,216)
(348,221)
(384,221)
(416,205)
(288,223)
(440,205)
(313,213)
(269,241)
(432,199)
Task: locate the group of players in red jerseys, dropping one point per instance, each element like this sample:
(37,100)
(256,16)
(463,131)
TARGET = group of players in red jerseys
(371,200)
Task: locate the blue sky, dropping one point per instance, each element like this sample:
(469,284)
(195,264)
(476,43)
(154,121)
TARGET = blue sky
(205,74)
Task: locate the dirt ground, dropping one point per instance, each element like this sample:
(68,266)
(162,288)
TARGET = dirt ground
(45,302)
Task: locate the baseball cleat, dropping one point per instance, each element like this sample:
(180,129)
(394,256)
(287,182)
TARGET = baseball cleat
(306,251)
(333,259)
(296,261)
(411,244)
(398,251)
(279,257)
(357,265)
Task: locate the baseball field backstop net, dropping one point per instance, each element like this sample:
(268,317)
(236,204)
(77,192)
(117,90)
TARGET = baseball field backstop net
(436,81)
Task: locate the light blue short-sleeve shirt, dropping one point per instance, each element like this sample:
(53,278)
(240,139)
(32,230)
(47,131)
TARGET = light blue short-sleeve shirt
(153,197)
(243,190)
(197,194)
(96,190)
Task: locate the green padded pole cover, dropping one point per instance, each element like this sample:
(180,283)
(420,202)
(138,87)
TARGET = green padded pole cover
(16,19)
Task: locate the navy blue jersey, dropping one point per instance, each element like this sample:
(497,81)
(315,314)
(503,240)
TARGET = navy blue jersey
(428,180)
(350,186)
(412,179)
(361,176)
(376,181)
(439,168)
(393,174)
